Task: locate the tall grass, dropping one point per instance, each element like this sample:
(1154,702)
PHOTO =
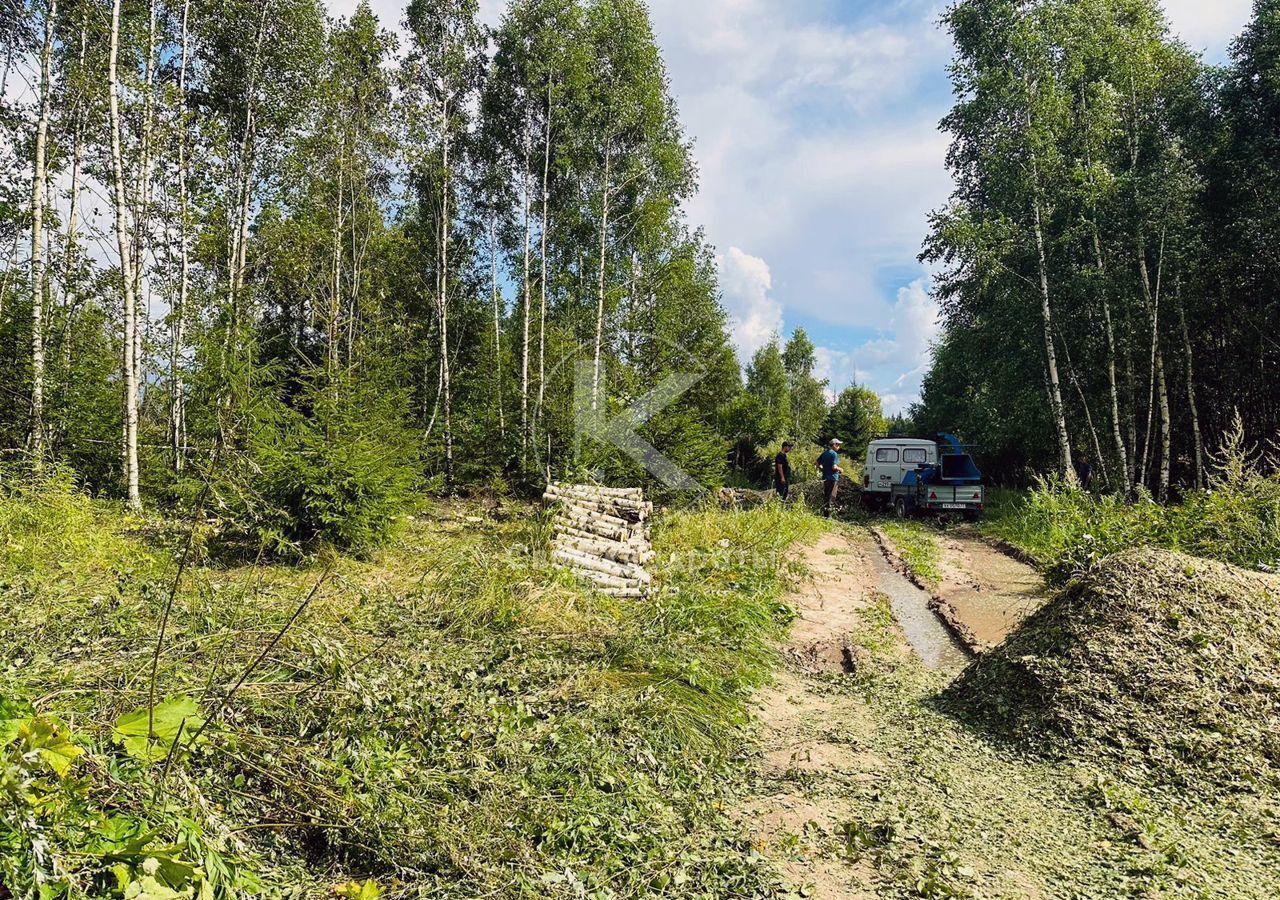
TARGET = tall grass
(451,718)
(1236,520)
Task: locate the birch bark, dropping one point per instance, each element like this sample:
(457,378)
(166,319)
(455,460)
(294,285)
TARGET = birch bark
(1197,439)
(177,402)
(497,323)
(39,184)
(600,289)
(445,230)
(125,245)
(542,314)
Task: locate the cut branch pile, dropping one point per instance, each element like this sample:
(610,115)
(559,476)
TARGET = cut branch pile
(602,536)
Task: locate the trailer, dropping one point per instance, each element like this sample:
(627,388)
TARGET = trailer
(924,478)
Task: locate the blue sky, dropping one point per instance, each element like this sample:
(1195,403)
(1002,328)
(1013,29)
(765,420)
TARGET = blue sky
(814,125)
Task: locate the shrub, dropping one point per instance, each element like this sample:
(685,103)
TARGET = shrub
(338,469)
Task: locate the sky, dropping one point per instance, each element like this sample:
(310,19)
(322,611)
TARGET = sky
(815,130)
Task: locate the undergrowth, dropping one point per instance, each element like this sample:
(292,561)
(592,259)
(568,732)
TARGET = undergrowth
(451,718)
(1236,520)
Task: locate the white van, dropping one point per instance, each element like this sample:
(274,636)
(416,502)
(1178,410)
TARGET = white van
(888,462)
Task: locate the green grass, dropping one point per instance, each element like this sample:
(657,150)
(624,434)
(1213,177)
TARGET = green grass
(1069,532)
(917,547)
(452,718)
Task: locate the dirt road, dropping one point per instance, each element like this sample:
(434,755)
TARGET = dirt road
(864,787)
(981,592)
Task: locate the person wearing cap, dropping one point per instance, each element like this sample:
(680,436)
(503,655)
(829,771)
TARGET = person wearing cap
(782,470)
(829,465)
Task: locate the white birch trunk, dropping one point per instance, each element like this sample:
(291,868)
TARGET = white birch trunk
(38,203)
(542,315)
(600,288)
(1046,311)
(524,353)
(1122,451)
(1197,439)
(444,303)
(125,245)
(69,296)
(497,324)
(177,388)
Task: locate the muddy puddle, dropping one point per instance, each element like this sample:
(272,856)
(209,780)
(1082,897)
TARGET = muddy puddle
(926,633)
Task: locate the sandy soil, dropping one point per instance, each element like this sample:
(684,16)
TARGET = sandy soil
(802,766)
(990,592)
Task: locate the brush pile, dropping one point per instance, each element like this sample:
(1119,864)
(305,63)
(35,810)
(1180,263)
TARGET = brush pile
(602,536)
(1166,661)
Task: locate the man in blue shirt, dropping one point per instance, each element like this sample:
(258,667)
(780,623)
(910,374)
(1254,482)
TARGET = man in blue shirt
(829,464)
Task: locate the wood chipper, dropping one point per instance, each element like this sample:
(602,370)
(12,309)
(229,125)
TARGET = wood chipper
(924,477)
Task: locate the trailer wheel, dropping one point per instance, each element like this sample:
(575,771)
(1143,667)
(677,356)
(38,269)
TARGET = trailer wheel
(900,507)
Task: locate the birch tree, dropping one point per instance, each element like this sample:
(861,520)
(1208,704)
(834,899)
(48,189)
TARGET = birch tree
(443,72)
(39,184)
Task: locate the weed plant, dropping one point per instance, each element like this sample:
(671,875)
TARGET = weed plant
(1236,520)
(450,718)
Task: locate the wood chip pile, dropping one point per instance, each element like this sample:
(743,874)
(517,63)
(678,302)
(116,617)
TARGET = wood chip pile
(602,536)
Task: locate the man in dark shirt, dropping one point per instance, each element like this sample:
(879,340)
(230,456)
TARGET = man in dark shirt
(1084,472)
(829,463)
(782,470)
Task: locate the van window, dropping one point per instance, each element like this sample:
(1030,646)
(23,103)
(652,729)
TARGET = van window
(918,455)
(887,455)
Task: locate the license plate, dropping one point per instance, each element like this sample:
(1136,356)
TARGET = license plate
(953,506)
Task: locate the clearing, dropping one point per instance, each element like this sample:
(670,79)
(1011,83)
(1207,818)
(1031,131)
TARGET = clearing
(866,787)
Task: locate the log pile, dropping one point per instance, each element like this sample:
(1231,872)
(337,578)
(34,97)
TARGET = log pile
(602,536)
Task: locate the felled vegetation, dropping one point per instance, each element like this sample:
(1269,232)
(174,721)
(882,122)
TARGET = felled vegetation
(1158,660)
(1237,520)
(931,808)
(452,718)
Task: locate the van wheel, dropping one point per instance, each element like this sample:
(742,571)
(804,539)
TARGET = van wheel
(900,507)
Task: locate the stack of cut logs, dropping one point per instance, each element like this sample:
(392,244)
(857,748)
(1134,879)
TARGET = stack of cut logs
(602,536)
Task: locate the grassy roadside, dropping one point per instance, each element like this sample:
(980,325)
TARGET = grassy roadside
(452,718)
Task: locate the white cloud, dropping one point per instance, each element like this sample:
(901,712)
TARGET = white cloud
(754,315)
(1208,24)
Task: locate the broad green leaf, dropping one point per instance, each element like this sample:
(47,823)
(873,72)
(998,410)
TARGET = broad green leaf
(149,888)
(356,890)
(172,716)
(9,730)
(53,740)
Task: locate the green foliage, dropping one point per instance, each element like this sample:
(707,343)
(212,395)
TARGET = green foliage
(808,394)
(453,713)
(1068,531)
(1112,204)
(767,383)
(51,532)
(918,549)
(857,418)
(149,735)
(338,471)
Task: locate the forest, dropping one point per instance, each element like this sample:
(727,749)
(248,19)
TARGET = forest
(252,247)
(1109,273)
(314,584)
